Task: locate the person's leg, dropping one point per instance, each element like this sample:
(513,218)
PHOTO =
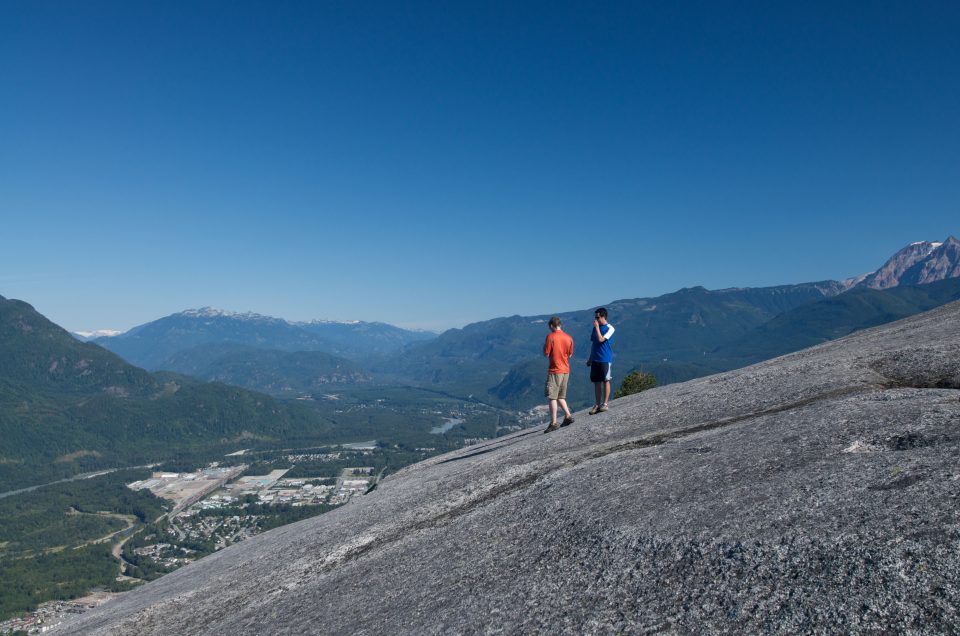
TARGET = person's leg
(551,393)
(598,397)
(607,382)
(566,409)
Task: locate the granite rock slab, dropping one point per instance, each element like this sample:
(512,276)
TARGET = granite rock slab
(818,492)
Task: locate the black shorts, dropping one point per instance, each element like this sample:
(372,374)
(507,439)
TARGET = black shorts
(600,372)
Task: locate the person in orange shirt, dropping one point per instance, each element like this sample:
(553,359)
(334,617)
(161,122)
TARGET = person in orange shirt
(558,347)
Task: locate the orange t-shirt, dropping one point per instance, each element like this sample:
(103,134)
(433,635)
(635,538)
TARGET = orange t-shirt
(559,347)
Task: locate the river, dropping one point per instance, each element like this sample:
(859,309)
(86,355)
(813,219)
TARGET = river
(443,428)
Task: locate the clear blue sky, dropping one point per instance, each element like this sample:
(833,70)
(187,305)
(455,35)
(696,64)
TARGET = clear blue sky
(434,164)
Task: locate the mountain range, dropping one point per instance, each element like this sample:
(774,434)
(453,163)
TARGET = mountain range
(67,407)
(677,336)
(686,334)
(151,345)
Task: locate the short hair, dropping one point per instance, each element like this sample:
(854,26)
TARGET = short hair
(602,312)
(555,322)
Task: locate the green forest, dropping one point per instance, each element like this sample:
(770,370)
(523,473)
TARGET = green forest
(48,538)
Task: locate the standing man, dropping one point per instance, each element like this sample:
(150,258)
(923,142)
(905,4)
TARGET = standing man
(558,347)
(600,360)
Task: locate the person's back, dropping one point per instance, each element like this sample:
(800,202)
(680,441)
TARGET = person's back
(559,348)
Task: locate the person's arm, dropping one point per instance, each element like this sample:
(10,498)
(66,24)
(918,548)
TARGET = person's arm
(546,346)
(600,336)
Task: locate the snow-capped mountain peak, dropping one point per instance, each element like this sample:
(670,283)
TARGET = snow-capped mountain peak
(329,322)
(97,333)
(212,312)
(919,263)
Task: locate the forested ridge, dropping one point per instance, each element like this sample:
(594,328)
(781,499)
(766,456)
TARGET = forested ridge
(67,407)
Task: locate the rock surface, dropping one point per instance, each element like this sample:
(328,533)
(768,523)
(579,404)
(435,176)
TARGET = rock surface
(917,264)
(814,493)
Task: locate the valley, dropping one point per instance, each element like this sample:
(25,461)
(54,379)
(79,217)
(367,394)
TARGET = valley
(199,503)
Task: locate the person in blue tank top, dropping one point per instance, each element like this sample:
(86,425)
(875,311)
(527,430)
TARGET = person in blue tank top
(601,360)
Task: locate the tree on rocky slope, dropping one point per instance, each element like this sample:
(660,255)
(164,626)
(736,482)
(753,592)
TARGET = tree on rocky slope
(635,382)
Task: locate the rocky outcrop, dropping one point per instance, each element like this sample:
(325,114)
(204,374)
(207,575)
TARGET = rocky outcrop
(942,263)
(916,264)
(814,493)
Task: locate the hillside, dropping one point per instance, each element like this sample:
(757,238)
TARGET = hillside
(697,332)
(832,318)
(810,493)
(282,373)
(67,407)
(677,328)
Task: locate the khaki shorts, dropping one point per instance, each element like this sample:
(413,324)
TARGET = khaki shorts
(556,387)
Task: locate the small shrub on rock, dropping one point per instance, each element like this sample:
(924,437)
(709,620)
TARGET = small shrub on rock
(635,382)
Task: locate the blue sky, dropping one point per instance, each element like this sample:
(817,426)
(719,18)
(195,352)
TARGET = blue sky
(434,164)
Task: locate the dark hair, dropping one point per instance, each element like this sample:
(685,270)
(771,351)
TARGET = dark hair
(555,322)
(602,312)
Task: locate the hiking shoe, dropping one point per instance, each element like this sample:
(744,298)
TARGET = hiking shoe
(552,428)
(567,421)
(595,409)
(602,408)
